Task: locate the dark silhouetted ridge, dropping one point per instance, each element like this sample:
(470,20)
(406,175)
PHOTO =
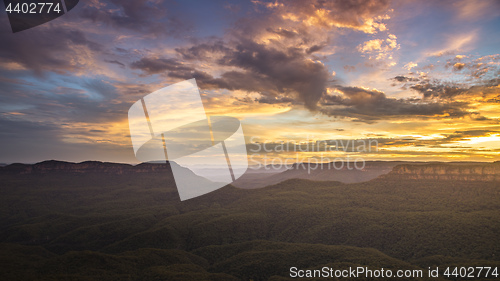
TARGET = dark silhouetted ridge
(52,166)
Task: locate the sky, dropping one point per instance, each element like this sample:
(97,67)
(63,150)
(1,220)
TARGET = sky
(420,78)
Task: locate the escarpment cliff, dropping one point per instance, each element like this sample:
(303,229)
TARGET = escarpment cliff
(447,171)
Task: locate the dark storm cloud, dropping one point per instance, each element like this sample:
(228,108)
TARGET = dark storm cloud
(370,105)
(289,70)
(264,69)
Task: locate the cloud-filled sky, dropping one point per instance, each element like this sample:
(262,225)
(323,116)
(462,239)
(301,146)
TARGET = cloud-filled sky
(422,78)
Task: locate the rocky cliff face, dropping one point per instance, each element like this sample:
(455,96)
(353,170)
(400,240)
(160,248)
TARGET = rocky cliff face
(444,171)
(83,167)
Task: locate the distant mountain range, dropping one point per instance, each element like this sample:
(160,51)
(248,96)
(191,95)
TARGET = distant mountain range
(457,171)
(325,172)
(476,171)
(84,167)
(106,221)
(268,175)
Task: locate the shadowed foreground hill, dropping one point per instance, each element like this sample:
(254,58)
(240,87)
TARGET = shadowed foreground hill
(93,225)
(346,172)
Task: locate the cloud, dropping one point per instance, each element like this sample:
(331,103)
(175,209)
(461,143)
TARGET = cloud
(485,66)
(115,62)
(275,100)
(260,68)
(455,44)
(410,65)
(364,15)
(204,51)
(152,65)
(79,44)
(378,48)
(474,10)
(33,141)
(475,79)
(370,105)
(401,78)
(441,90)
(273,62)
(273,53)
(46,48)
(468,134)
(89,100)
(458,66)
(91,66)
(349,68)
(147,17)
(431,90)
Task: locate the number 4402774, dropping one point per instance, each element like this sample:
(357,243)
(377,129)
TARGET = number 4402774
(471,272)
(33,8)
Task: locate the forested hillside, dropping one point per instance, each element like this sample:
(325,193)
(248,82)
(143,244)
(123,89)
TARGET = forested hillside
(61,225)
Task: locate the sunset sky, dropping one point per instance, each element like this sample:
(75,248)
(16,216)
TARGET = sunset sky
(420,77)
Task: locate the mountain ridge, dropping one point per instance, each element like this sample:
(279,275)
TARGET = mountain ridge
(84,167)
(447,171)
(467,171)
